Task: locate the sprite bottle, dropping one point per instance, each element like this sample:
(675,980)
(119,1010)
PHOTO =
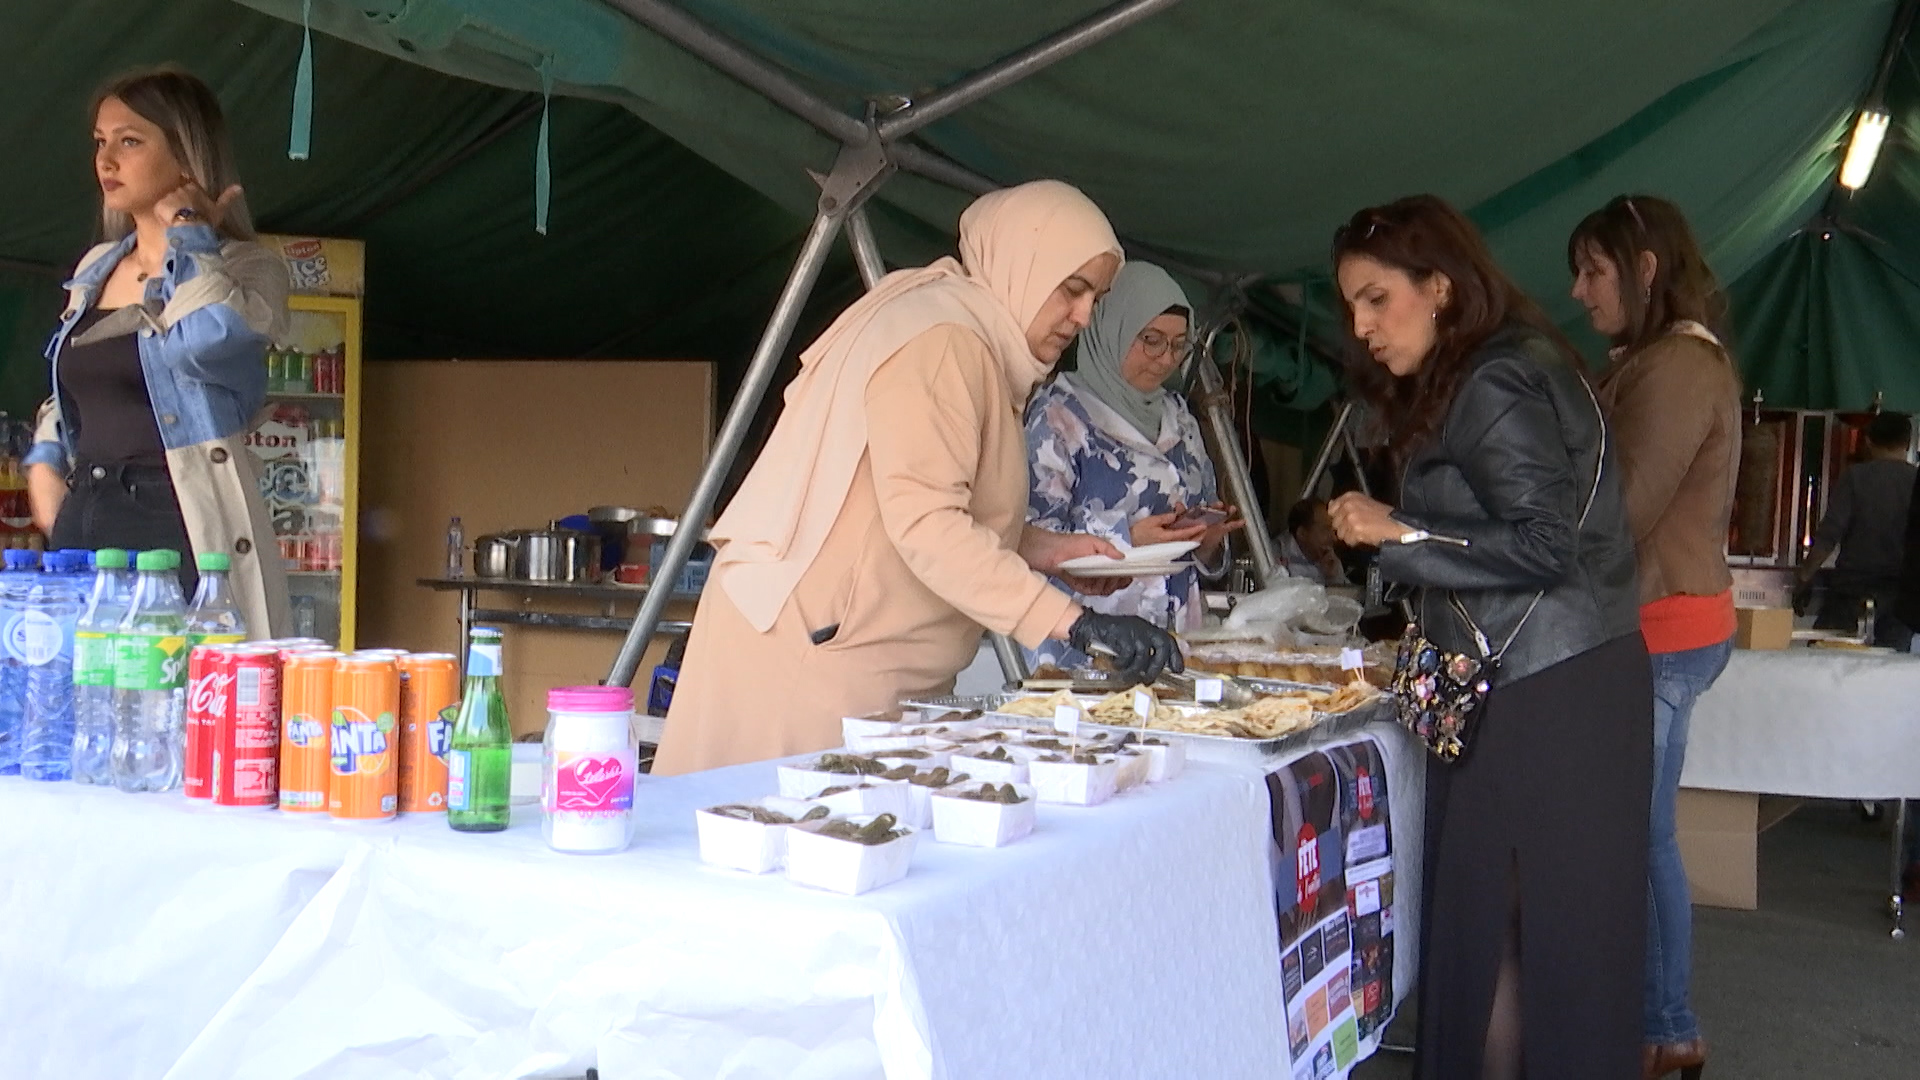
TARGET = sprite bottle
(480,747)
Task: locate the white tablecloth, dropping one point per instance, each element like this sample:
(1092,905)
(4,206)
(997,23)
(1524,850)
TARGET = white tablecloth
(149,937)
(1817,723)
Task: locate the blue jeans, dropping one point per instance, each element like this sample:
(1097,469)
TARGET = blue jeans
(1678,680)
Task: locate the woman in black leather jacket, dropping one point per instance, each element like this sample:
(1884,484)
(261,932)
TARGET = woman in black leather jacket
(1535,915)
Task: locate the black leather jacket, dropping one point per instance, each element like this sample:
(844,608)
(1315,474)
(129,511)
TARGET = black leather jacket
(1501,491)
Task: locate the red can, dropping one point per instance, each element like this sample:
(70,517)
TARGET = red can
(246,735)
(209,693)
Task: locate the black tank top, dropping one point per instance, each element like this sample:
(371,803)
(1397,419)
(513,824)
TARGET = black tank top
(107,400)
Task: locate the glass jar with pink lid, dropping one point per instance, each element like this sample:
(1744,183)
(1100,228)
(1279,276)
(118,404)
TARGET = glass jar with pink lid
(586,782)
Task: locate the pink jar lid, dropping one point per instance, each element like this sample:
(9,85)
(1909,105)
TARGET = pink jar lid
(604,699)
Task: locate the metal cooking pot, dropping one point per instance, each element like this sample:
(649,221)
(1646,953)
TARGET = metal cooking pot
(562,555)
(493,555)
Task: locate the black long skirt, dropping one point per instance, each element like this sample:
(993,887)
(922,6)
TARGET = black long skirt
(1544,820)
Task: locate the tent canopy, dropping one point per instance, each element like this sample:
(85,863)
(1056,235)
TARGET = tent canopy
(1231,136)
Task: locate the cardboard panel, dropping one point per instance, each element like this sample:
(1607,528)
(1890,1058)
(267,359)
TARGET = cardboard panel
(1719,842)
(515,444)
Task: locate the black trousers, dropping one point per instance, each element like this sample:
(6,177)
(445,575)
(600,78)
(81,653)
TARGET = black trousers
(125,506)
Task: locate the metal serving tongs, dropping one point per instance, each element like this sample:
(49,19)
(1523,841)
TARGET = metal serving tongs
(1234,694)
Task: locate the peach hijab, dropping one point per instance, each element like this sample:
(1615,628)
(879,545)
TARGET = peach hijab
(1016,247)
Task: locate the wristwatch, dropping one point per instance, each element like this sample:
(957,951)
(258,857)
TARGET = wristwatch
(186,213)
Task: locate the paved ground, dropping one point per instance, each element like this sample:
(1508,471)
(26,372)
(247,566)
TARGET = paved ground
(1810,986)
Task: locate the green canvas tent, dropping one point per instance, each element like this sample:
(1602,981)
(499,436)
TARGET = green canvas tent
(1224,137)
(1233,135)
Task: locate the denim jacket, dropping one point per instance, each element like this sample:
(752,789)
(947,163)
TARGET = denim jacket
(203,330)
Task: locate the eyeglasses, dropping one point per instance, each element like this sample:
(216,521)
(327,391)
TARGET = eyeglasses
(1155,344)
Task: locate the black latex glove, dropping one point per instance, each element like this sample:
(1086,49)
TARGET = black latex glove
(1141,650)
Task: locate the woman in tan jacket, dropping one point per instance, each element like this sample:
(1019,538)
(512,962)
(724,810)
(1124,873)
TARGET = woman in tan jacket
(884,524)
(1672,398)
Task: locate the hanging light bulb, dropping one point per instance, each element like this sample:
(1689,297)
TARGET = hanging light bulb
(1863,149)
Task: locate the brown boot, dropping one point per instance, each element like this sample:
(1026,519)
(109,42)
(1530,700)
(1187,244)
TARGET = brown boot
(1688,1058)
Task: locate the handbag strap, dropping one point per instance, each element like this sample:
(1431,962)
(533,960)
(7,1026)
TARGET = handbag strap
(1453,598)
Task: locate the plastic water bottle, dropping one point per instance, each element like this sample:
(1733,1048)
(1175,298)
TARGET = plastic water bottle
(456,548)
(215,618)
(150,679)
(100,618)
(21,568)
(52,610)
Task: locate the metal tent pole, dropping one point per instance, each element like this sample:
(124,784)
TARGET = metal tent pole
(1074,39)
(865,162)
(746,402)
(1234,463)
(866,250)
(1329,446)
(690,34)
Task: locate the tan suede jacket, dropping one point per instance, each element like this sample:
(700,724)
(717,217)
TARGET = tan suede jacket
(1674,408)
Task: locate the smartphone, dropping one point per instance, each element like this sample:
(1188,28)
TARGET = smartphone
(1199,515)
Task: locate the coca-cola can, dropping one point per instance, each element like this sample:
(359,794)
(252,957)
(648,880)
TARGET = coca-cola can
(246,735)
(209,693)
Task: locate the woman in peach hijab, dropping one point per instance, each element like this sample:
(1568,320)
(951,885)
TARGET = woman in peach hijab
(884,524)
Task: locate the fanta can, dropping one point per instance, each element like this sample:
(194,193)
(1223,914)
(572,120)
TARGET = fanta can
(306,722)
(365,739)
(429,687)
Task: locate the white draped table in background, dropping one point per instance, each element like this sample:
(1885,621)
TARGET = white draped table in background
(1817,723)
(147,937)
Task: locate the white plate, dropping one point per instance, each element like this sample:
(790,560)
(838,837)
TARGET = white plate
(1119,568)
(1155,555)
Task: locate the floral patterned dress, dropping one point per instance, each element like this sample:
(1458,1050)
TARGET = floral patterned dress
(1093,472)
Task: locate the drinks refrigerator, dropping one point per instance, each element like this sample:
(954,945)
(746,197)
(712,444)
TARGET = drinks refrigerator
(308,439)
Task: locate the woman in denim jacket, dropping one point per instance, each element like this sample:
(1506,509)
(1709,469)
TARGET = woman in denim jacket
(158,365)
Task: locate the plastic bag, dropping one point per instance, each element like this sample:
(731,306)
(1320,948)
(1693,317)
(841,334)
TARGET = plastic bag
(1281,603)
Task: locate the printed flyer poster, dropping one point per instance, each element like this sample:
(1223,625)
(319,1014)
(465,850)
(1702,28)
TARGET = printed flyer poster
(1333,896)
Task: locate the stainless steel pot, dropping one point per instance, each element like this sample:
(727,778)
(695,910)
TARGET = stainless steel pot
(493,555)
(562,555)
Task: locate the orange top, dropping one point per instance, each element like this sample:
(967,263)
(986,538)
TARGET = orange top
(1678,623)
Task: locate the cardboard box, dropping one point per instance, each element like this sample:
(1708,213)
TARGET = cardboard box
(1762,587)
(1763,628)
(1719,842)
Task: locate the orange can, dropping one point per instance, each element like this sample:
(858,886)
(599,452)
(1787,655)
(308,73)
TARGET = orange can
(364,784)
(429,685)
(306,723)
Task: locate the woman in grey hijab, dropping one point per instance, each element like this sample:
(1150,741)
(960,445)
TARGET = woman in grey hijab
(1115,453)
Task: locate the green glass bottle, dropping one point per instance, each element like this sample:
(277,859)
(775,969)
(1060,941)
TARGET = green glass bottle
(480,748)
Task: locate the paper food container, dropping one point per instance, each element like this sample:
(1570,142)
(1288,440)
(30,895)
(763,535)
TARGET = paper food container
(1133,772)
(844,866)
(998,772)
(750,845)
(1074,784)
(954,730)
(920,801)
(982,824)
(1164,761)
(880,743)
(852,727)
(801,782)
(935,759)
(867,798)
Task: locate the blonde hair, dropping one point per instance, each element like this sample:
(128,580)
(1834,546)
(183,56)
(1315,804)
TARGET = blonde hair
(188,114)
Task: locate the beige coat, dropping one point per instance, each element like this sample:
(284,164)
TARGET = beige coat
(216,480)
(922,555)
